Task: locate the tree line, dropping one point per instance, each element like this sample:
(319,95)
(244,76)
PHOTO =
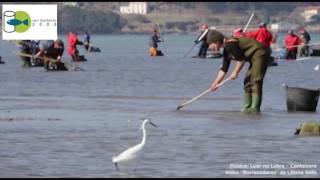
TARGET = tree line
(78,19)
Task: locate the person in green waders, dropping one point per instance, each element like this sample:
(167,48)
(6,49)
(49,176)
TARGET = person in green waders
(241,50)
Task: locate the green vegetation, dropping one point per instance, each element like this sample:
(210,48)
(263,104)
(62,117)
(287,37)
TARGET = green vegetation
(73,18)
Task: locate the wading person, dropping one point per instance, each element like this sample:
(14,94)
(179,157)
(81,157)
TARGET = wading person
(53,50)
(87,44)
(204,45)
(25,47)
(242,50)
(262,35)
(73,41)
(154,40)
(291,42)
(303,49)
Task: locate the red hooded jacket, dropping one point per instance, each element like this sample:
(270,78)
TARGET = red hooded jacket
(292,40)
(72,42)
(262,35)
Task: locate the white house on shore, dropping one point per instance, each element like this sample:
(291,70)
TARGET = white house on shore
(283,26)
(134,8)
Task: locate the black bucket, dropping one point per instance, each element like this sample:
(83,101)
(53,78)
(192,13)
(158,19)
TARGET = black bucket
(301,99)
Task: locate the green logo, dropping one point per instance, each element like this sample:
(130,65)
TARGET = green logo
(18,21)
(23,16)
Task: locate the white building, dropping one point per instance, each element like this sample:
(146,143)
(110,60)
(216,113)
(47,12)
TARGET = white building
(134,8)
(74,4)
(310,11)
(283,26)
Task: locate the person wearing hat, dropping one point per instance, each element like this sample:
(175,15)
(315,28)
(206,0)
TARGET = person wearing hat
(153,43)
(53,50)
(204,46)
(292,41)
(241,50)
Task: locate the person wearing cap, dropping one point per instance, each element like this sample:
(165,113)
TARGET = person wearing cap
(153,43)
(53,50)
(303,50)
(73,41)
(241,50)
(291,41)
(204,46)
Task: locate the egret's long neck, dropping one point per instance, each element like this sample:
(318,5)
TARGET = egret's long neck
(143,134)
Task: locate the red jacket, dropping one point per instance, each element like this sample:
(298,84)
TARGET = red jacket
(262,35)
(238,34)
(72,42)
(292,40)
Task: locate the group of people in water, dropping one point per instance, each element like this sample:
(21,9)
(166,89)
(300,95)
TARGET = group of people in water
(254,47)
(48,53)
(295,46)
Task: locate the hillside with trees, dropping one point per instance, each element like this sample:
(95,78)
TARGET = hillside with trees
(73,18)
(175,17)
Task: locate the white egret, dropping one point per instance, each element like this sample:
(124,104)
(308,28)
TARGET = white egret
(133,151)
(316,68)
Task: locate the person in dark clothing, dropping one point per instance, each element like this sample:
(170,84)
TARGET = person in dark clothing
(204,45)
(34,50)
(242,50)
(87,44)
(303,50)
(53,50)
(153,44)
(25,47)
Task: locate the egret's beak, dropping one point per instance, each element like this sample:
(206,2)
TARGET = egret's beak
(153,124)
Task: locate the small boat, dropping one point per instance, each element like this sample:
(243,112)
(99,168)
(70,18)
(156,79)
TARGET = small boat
(94,49)
(214,55)
(315,52)
(36,62)
(272,62)
(81,58)
(209,56)
(58,66)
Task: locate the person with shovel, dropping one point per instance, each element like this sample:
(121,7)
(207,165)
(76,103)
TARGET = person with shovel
(241,50)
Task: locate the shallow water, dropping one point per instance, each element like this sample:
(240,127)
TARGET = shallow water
(70,124)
